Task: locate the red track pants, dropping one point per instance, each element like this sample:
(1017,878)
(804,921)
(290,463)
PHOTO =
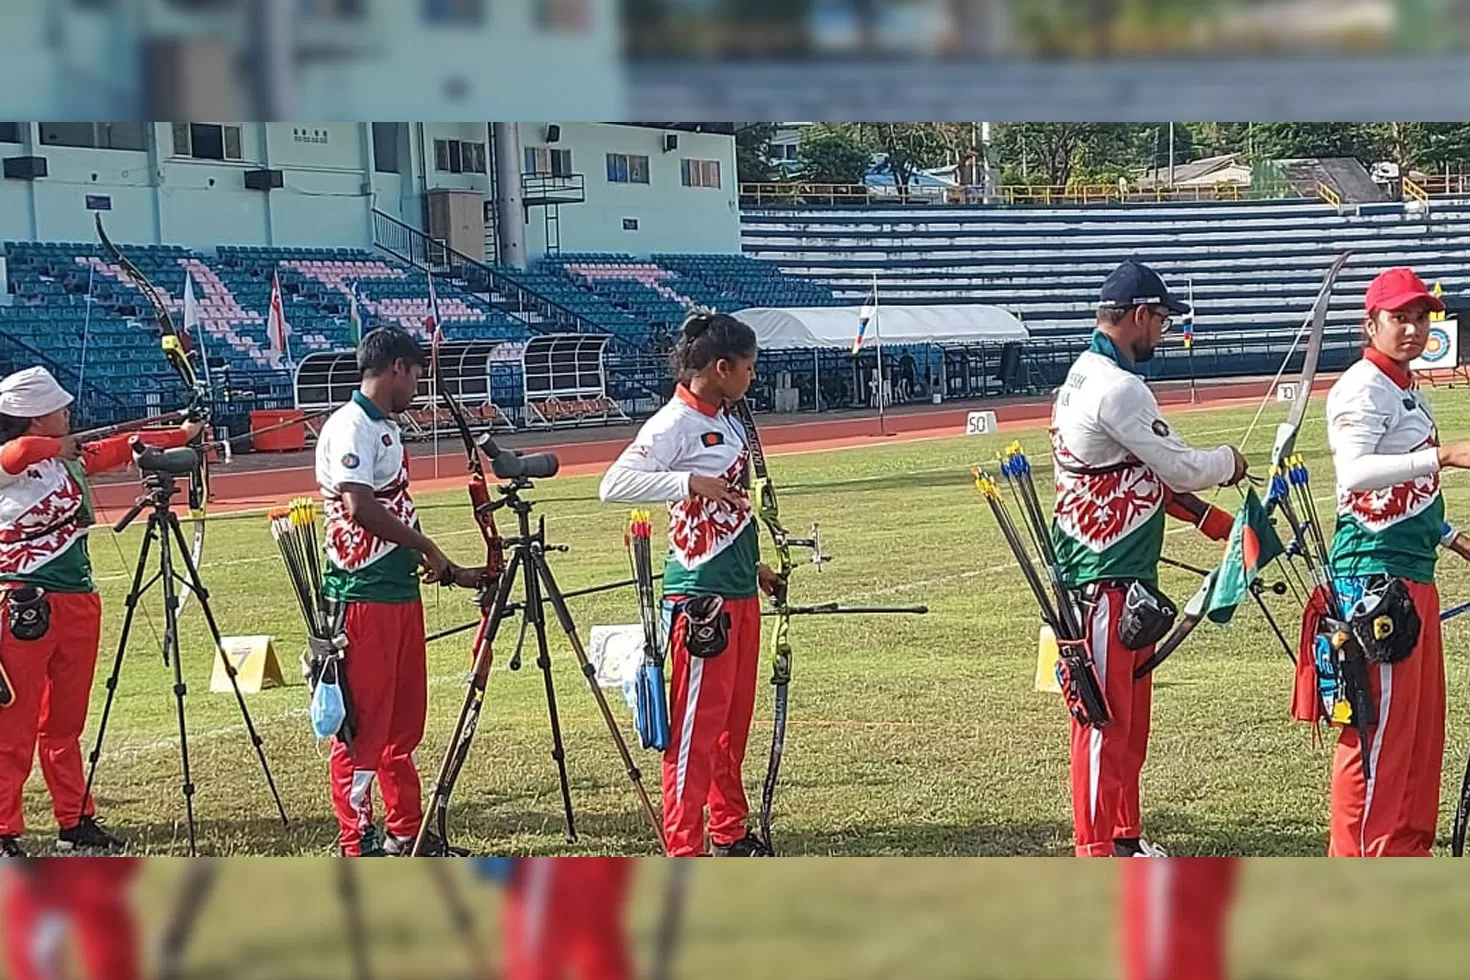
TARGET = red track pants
(1396,812)
(564,919)
(1174,917)
(52,678)
(387,682)
(89,894)
(711,701)
(1107,761)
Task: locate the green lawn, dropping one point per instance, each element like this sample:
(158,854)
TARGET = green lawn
(908,736)
(1006,920)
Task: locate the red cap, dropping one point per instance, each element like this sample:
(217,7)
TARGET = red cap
(1395,289)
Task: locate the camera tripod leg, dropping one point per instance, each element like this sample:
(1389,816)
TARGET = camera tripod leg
(171,646)
(569,627)
(195,585)
(469,712)
(135,595)
(535,613)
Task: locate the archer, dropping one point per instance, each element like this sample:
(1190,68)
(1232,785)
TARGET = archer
(52,617)
(693,455)
(1119,469)
(374,549)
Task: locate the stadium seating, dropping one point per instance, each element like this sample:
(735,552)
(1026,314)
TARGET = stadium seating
(1254,267)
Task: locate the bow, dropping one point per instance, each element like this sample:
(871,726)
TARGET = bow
(1315,327)
(492,582)
(195,391)
(763,493)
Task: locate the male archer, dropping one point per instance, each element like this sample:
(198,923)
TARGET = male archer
(374,549)
(1119,468)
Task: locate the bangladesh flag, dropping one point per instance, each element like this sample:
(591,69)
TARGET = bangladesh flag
(1253,545)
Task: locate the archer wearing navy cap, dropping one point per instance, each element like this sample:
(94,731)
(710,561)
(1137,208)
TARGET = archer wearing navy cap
(1120,468)
(1136,303)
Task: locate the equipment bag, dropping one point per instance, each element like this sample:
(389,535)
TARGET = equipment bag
(706,626)
(1148,616)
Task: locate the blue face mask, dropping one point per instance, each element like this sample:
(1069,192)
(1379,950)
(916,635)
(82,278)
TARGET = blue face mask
(328,711)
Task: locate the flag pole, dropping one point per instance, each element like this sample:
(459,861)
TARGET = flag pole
(878,338)
(1193,394)
(86,333)
(434,345)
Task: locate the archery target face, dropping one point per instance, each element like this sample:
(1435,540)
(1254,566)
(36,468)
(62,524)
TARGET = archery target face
(1440,350)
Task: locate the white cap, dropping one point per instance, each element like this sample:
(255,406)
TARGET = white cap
(31,393)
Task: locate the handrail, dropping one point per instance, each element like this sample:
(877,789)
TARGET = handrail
(1329,194)
(758,194)
(1415,191)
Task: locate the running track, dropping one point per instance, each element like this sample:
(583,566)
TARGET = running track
(263,488)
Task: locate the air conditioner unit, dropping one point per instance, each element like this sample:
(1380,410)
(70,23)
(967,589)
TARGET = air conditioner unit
(25,168)
(671,142)
(264,180)
(553,133)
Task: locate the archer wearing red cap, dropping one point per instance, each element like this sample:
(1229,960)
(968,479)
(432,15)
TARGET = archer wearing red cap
(1390,524)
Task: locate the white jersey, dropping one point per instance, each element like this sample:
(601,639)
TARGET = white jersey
(1116,458)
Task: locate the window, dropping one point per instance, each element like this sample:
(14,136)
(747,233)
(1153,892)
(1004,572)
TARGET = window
(207,141)
(102,136)
(627,168)
(544,160)
(453,12)
(459,157)
(385,147)
(700,173)
(9,132)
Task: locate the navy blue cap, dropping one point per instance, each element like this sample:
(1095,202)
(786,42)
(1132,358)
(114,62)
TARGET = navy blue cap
(1135,284)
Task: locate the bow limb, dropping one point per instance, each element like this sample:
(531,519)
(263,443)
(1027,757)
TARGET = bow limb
(195,392)
(478,487)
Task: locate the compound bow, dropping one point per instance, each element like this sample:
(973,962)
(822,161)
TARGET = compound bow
(763,494)
(195,391)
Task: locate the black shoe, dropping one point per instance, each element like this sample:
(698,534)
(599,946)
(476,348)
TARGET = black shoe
(368,845)
(86,835)
(434,847)
(749,846)
(10,848)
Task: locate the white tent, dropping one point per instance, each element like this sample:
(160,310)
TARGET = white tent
(800,328)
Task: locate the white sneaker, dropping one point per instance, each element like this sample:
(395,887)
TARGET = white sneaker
(1147,850)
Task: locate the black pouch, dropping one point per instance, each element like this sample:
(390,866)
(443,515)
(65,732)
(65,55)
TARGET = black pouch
(29,612)
(706,626)
(1384,621)
(1147,616)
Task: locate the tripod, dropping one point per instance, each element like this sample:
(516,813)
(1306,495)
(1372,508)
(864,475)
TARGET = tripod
(163,526)
(528,558)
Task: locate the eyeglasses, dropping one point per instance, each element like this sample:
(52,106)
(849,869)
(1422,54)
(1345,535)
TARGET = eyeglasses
(1163,312)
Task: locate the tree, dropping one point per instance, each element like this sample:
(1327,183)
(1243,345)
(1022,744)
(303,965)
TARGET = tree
(1296,140)
(753,153)
(831,155)
(1054,154)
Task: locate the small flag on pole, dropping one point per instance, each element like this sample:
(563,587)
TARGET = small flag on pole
(1438,292)
(865,316)
(433,324)
(276,328)
(354,319)
(193,325)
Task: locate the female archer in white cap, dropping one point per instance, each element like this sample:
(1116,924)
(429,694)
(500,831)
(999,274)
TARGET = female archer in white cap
(51,614)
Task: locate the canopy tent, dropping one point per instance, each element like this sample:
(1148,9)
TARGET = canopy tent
(797,328)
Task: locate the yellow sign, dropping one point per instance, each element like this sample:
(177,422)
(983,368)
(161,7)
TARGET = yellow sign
(254,660)
(1438,291)
(1047,655)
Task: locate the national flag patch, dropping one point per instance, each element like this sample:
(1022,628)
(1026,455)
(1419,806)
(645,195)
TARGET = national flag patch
(387,440)
(712,439)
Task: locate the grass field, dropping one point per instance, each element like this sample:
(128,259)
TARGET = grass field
(1004,919)
(908,736)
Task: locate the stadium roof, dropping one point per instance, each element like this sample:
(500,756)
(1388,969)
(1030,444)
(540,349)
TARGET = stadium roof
(798,328)
(721,128)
